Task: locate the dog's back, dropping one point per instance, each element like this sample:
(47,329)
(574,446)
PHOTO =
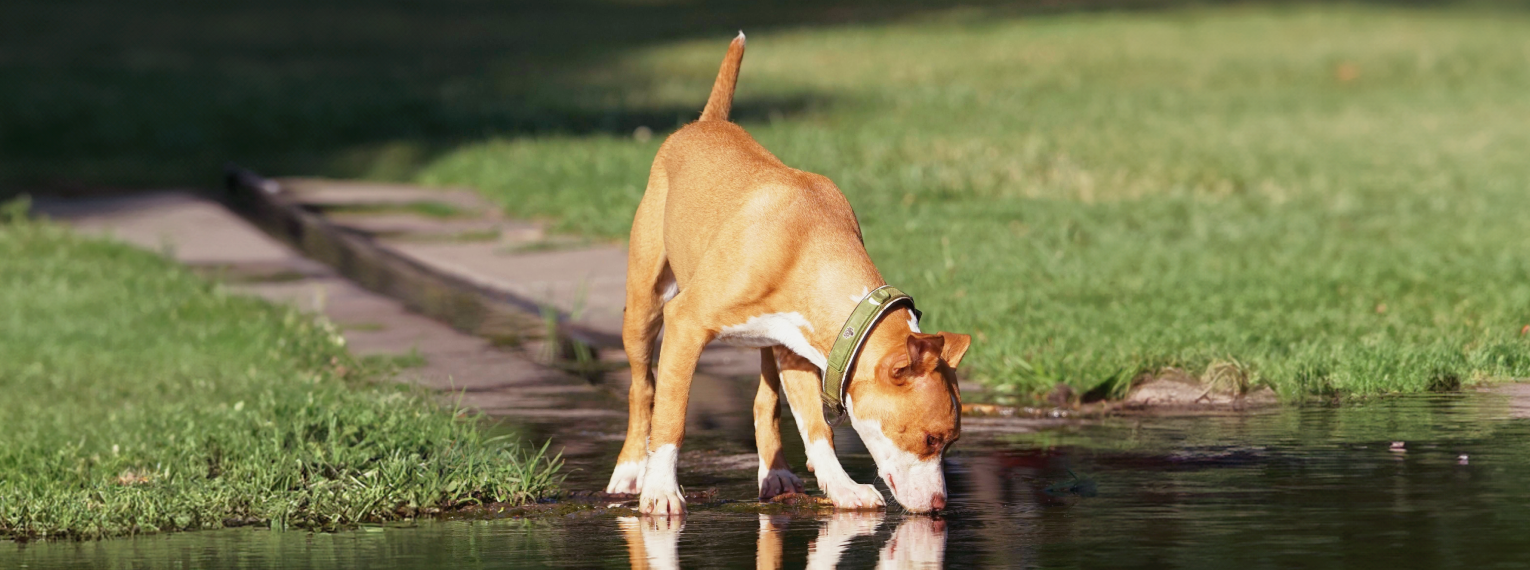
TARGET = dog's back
(722,182)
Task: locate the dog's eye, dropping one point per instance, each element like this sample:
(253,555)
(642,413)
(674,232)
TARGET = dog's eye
(931,441)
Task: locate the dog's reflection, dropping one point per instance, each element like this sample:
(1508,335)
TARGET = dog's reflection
(917,542)
(651,541)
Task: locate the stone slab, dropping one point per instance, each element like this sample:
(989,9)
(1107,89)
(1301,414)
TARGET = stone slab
(413,226)
(191,228)
(589,284)
(332,193)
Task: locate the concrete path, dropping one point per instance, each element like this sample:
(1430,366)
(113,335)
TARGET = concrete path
(508,383)
(212,240)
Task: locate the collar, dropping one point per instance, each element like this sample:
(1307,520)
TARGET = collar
(852,336)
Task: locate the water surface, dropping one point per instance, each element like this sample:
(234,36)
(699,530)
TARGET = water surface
(1421,482)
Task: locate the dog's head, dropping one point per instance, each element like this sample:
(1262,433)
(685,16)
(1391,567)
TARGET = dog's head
(906,407)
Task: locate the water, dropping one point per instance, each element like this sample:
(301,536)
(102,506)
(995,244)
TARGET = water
(1307,488)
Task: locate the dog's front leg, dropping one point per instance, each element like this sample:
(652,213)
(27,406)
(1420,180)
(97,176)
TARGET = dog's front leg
(775,476)
(683,342)
(801,381)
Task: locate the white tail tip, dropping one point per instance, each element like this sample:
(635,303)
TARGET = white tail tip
(741,38)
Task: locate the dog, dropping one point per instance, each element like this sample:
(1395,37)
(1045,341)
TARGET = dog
(729,244)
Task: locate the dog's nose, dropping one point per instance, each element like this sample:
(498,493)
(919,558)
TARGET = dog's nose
(938,502)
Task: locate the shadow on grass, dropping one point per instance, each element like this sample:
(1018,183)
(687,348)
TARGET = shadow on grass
(103,95)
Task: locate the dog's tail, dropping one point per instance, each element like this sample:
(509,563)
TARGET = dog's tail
(721,100)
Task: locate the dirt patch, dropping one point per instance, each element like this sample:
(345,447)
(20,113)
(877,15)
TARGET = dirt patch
(1223,388)
(1176,390)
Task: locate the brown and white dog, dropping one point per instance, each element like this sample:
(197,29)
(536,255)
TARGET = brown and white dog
(729,244)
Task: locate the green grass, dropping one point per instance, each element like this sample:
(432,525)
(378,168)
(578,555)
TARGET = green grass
(394,362)
(1095,188)
(135,93)
(138,398)
(437,210)
(1333,198)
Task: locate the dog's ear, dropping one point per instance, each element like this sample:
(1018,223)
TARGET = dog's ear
(924,352)
(956,346)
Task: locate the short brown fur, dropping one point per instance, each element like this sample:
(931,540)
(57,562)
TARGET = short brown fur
(743,235)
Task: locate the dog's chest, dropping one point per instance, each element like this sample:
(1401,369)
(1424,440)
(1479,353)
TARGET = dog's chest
(785,329)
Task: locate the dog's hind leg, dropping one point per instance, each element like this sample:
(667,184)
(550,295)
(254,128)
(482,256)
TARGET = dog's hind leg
(649,284)
(684,338)
(775,475)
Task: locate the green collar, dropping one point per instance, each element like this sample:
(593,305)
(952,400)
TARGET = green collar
(852,336)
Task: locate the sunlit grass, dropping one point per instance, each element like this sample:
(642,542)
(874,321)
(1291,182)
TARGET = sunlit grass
(138,397)
(1331,196)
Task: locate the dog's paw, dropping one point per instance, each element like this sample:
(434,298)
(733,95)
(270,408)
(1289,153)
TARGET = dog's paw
(662,503)
(627,479)
(661,493)
(778,481)
(855,496)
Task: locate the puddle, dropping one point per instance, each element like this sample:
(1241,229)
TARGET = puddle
(1440,481)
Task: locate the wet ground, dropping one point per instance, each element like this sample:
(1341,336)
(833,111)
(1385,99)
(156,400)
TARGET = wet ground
(1440,481)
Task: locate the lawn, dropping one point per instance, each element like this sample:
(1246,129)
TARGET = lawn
(1328,200)
(124,94)
(1321,197)
(139,397)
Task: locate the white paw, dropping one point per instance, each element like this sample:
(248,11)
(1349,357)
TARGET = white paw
(661,494)
(855,496)
(627,479)
(661,503)
(778,481)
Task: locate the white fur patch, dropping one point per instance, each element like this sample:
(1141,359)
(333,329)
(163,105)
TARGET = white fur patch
(826,465)
(914,482)
(773,329)
(659,475)
(627,478)
(857,298)
(671,288)
(832,479)
(913,322)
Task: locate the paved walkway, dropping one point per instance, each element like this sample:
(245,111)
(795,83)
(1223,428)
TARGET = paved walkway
(509,383)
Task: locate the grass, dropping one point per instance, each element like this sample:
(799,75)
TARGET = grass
(394,362)
(136,93)
(1328,199)
(1323,197)
(428,209)
(139,397)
